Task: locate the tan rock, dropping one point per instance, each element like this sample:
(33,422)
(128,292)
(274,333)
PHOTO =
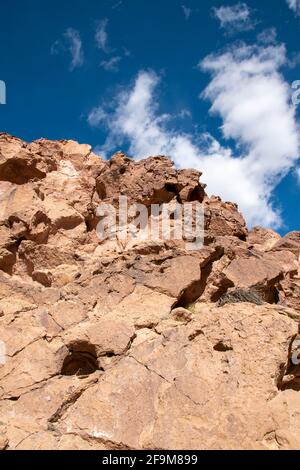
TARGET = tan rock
(64,274)
(143,308)
(108,337)
(263,239)
(191,380)
(117,344)
(3,442)
(289,292)
(291,242)
(151,181)
(181,314)
(223,219)
(261,273)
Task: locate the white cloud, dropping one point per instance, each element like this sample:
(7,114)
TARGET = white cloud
(294,60)
(298,174)
(234,18)
(186,11)
(184,113)
(96,116)
(267,36)
(101,36)
(75,48)
(294,5)
(252,99)
(72,43)
(111,65)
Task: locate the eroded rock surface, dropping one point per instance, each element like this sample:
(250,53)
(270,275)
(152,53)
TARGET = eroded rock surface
(113,345)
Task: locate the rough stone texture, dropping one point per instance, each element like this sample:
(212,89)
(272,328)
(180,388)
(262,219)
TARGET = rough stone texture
(263,239)
(143,344)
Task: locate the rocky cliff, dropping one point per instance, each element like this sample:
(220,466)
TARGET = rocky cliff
(145,344)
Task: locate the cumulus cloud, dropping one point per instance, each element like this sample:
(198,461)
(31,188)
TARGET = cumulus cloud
(73,45)
(234,18)
(253,100)
(294,5)
(112,64)
(251,97)
(101,35)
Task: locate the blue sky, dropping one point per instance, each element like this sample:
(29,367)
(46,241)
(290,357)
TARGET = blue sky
(205,82)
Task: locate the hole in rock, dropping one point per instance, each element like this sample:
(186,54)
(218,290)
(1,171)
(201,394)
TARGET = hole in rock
(171,188)
(197,194)
(269,294)
(274,296)
(14,398)
(222,347)
(242,237)
(101,189)
(81,360)
(91,222)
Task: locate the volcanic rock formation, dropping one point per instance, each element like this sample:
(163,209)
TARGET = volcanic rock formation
(142,345)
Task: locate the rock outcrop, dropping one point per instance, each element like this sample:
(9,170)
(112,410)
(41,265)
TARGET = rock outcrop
(142,343)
